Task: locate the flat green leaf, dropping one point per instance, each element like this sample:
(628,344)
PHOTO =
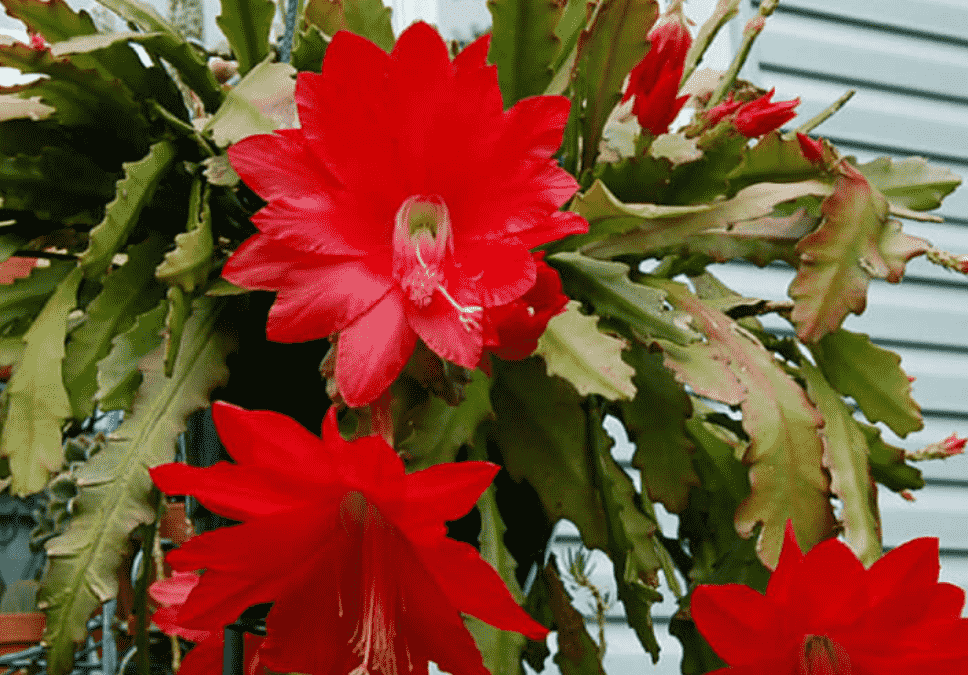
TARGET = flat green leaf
(116,493)
(189,61)
(773,159)
(179,309)
(567,30)
(134,192)
(441,430)
(541,429)
(606,287)
(83,44)
(189,264)
(845,457)
(368,18)
(55,183)
(854,244)
(573,348)
(118,375)
(248,108)
(640,178)
(656,422)
(911,183)
(11,351)
(707,178)
(887,462)
(14,107)
(785,451)
(615,41)
(309,49)
(524,45)
(872,375)
(246,25)
(761,240)
(222,286)
(142,14)
(126,293)
(36,401)
(21,300)
(577,652)
(501,649)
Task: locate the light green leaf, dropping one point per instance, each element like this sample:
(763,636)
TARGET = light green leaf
(82,44)
(141,14)
(309,49)
(256,105)
(606,287)
(616,40)
(11,351)
(36,401)
(845,457)
(222,286)
(910,183)
(246,25)
(189,61)
(872,375)
(523,45)
(676,148)
(179,309)
(773,159)
(541,429)
(14,107)
(116,490)
(134,192)
(854,244)
(127,292)
(22,299)
(785,451)
(574,349)
(368,18)
(441,430)
(888,466)
(189,264)
(118,375)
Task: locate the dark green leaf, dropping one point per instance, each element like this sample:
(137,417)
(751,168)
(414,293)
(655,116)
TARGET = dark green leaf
(179,309)
(887,462)
(309,50)
(189,264)
(23,299)
(246,25)
(524,44)
(911,182)
(368,18)
(118,376)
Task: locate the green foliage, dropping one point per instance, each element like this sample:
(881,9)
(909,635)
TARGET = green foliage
(613,43)
(179,309)
(872,375)
(118,375)
(188,61)
(887,462)
(369,18)
(246,25)
(127,292)
(606,287)
(910,183)
(118,494)
(577,652)
(574,348)
(524,44)
(58,183)
(773,159)
(134,192)
(245,111)
(441,429)
(656,422)
(24,299)
(189,264)
(309,49)
(35,399)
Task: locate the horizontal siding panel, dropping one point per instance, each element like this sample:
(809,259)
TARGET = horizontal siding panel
(939,511)
(945,19)
(883,58)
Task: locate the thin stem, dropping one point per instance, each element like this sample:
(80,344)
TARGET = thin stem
(184,126)
(725,10)
(822,116)
(753,28)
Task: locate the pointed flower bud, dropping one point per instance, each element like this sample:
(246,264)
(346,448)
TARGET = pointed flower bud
(811,149)
(37,42)
(655,80)
(718,113)
(762,115)
(949,447)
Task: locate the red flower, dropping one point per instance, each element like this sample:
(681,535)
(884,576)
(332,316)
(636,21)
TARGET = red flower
(811,149)
(824,614)
(351,550)
(512,331)
(37,41)
(655,80)
(206,656)
(718,113)
(762,116)
(403,207)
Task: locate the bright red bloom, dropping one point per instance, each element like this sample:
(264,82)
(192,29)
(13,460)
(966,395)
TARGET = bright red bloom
(718,113)
(824,614)
(37,41)
(762,116)
(206,656)
(351,550)
(811,149)
(655,79)
(404,207)
(511,331)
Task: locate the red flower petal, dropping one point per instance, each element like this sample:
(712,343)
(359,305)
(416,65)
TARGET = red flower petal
(447,491)
(474,55)
(441,327)
(723,613)
(256,160)
(373,350)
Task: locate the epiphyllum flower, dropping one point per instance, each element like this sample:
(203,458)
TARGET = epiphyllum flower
(824,614)
(206,656)
(351,551)
(655,79)
(761,116)
(403,207)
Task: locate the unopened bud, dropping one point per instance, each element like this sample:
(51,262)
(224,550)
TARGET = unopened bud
(223,70)
(754,26)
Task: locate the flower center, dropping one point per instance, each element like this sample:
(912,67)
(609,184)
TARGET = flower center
(422,242)
(823,656)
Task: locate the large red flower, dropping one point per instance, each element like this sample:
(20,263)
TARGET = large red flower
(350,549)
(824,614)
(403,207)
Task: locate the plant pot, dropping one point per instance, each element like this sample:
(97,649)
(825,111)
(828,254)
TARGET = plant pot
(20,631)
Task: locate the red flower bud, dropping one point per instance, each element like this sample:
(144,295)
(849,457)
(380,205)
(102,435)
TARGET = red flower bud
(655,80)
(811,149)
(37,41)
(718,113)
(762,116)
(953,445)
